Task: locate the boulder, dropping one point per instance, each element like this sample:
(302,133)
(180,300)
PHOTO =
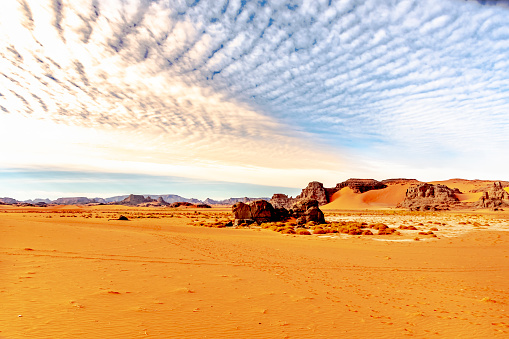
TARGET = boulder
(259,211)
(241,210)
(307,210)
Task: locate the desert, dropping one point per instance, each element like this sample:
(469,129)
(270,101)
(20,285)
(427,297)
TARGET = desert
(78,271)
(254,169)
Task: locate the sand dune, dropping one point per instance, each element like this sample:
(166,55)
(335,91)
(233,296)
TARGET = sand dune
(72,273)
(346,199)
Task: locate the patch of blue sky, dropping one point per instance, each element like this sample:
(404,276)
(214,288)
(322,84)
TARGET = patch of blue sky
(21,184)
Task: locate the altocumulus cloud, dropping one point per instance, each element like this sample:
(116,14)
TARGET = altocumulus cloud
(252,90)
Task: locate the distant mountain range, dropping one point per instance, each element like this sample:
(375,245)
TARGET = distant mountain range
(169,198)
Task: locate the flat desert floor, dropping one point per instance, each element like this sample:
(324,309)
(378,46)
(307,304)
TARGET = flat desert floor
(71,272)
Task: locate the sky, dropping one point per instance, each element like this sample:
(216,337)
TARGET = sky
(248,98)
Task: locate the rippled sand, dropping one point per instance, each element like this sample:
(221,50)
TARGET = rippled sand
(75,273)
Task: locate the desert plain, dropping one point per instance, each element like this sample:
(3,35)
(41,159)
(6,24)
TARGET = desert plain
(77,272)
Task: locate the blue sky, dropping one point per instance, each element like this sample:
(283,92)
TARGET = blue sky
(271,93)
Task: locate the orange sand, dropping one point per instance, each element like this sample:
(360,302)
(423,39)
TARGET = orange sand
(346,199)
(73,273)
(469,197)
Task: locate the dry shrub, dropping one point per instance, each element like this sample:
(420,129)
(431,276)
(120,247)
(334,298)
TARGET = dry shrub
(386,231)
(302,231)
(288,230)
(380,226)
(410,228)
(266,225)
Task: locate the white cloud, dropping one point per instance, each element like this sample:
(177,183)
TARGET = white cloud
(241,84)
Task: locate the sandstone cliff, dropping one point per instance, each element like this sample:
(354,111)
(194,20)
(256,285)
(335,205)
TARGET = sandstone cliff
(426,197)
(279,200)
(495,198)
(361,185)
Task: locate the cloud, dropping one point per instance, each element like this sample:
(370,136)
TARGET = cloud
(274,85)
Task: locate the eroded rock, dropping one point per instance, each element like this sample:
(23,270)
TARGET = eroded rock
(429,197)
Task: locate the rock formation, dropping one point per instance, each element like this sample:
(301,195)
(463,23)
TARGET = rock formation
(495,198)
(133,200)
(260,211)
(306,210)
(425,197)
(8,201)
(361,185)
(279,200)
(257,211)
(316,191)
(162,202)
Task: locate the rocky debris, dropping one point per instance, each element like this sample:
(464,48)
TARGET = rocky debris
(134,200)
(315,191)
(279,200)
(307,210)
(73,201)
(495,198)
(429,197)
(361,185)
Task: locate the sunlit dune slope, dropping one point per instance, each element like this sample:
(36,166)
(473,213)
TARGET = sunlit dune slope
(468,197)
(346,198)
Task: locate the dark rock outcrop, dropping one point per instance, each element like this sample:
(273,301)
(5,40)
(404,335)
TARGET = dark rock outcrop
(426,197)
(315,191)
(307,210)
(361,185)
(496,197)
(259,211)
